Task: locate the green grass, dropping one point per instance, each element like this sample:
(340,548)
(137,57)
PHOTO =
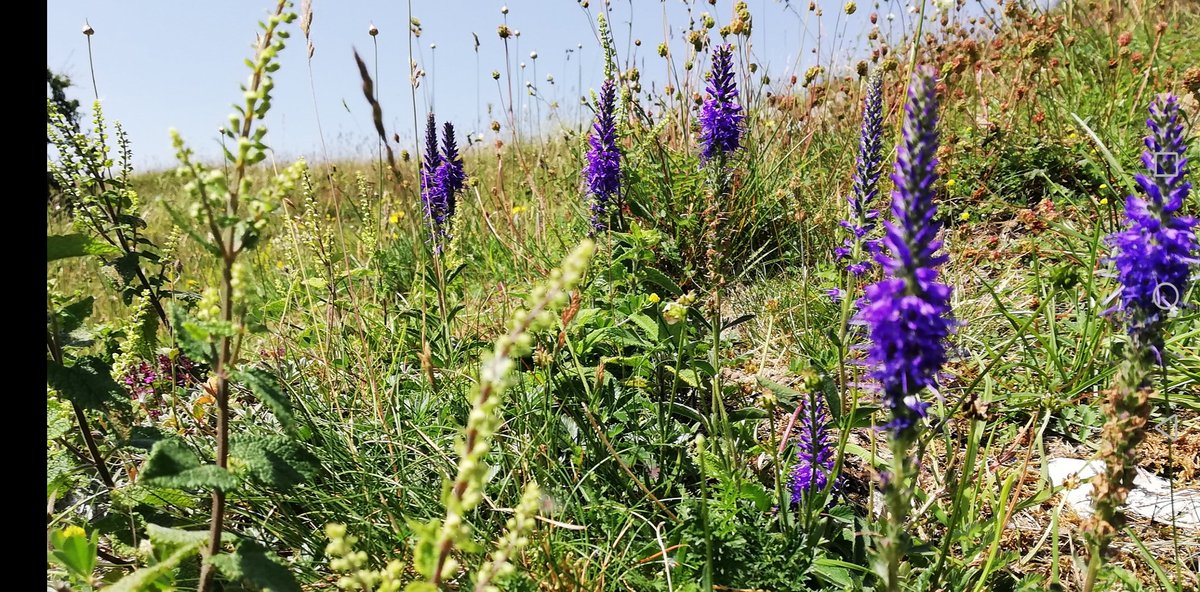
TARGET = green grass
(374,346)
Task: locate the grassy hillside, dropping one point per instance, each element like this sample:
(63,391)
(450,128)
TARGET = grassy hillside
(611,439)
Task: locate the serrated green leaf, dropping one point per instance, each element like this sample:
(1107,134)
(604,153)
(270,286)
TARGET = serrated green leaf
(161,535)
(274,461)
(172,464)
(58,419)
(58,471)
(73,315)
(192,342)
(661,280)
(687,375)
(65,246)
(87,383)
(145,579)
(648,325)
(264,386)
(250,564)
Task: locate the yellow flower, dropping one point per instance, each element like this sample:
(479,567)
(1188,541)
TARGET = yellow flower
(1072,136)
(74,531)
(654,298)
(964,216)
(519,209)
(951,183)
(395,217)
(1104,201)
(1104,187)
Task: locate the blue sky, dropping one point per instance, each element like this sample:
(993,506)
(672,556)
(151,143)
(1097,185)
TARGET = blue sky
(178,64)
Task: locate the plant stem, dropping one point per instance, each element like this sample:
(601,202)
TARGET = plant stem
(226,352)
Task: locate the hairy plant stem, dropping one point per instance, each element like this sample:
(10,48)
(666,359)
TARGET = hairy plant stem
(896,495)
(226,352)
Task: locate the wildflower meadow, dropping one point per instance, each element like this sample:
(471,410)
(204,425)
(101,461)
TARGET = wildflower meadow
(913,307)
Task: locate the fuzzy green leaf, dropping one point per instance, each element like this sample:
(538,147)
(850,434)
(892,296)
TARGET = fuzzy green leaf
(250,564)
(172,464)
(191,339)
(161,536)
(145,579)
(661,280)
(273,461)
(264,386)
(87,383)
(65,246)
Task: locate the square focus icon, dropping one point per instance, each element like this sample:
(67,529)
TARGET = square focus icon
(1166,164)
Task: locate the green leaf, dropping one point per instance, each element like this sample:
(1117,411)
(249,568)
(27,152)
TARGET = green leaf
(146,579)
(192,342)
(58,419)
(58,471)
(77,553)
(661,280)
(72,316)
(87,383)
(264,386)
(687,375)
(172,464)
(161,536)
(648,325)
(274,461)
(65,246)
(832,574)
(250,564)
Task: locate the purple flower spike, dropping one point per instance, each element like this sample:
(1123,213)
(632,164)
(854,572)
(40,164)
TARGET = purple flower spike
(908,311)
(451,174)
(1155,251)
(814,456)
(603,168)
(721,116)
(863,217)
(442,177)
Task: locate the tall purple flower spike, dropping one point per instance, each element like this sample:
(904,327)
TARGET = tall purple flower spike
(431,189)
(450,172)
(1155,251)
(721,116)
(442,177)
(908,311)
(863,216)
(814,455)
(602,170)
